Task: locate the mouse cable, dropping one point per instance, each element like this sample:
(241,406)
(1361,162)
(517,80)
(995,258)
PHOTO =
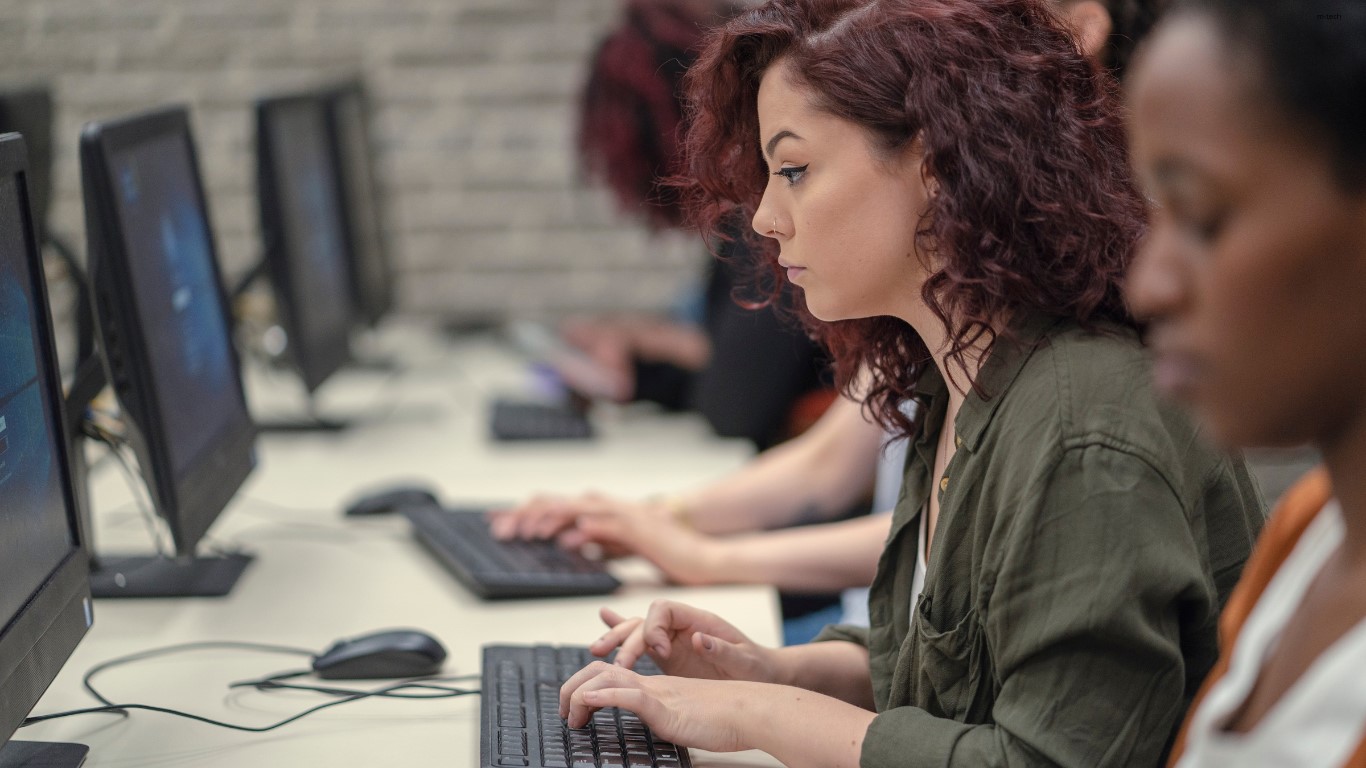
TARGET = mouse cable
(122,709)
(88,680)
(427,687)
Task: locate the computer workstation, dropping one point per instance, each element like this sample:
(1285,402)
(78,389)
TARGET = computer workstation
(304,241)
(319,576)
(45,606)
(301,598)
(165,346)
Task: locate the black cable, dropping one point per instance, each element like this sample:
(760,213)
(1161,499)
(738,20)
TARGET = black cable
(274,682)
(347,695)
(86,681)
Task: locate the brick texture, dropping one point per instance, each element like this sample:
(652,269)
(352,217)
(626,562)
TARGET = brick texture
(487,211)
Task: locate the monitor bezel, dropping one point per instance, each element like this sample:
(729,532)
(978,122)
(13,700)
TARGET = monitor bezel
(191,501)
(372,299)
(41,637)
(315,360)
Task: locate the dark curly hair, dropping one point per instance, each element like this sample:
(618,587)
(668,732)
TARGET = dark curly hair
(1309,60)
(630,116)
(1036,210)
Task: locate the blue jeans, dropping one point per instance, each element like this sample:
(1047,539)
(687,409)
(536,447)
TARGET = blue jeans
(803,629)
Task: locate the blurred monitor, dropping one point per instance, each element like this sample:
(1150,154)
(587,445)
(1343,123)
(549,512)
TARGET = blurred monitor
(28,110)
(165,332)
(44,569)
(303,232)
(372,279)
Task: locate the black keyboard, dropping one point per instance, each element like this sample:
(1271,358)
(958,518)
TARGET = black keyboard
(520,723)
(494,569)
(524,420)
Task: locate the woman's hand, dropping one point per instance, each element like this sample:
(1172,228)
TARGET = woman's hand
(799,728)
(549,517)
(681,553)
(695,713)
(686,642)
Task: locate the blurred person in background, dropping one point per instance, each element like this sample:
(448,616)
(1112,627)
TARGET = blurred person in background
(745,369)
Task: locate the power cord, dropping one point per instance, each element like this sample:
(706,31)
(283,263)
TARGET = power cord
(116,444)
(345,695)
(275,682)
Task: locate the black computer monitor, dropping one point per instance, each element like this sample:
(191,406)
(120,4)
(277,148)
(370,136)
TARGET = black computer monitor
(165,334)
(44,570)
(303,232)
(27,109)
(372,279)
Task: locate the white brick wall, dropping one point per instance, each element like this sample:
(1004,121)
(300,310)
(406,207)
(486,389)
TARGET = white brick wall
(474,130)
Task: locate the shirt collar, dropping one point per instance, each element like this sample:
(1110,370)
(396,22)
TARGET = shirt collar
(1002,366)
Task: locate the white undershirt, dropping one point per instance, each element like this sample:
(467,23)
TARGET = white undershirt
(1321,719)
(918,578)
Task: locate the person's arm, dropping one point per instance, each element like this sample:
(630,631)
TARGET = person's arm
(685,641)
(815,558)
(811,478)
(1093,601)
(798,727)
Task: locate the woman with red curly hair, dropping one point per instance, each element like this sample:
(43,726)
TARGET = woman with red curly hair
(946,182)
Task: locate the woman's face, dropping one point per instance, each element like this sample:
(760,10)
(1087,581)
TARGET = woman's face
(1254,272)
(844,218)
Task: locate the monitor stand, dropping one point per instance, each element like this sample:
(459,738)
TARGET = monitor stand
(42,754)
(302,424)
(367,363)
(311,421)
(156,576)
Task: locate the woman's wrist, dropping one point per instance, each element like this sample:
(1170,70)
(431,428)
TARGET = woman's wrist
(675,508)
(782,667)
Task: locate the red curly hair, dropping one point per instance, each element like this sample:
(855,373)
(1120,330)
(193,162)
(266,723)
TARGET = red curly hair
(631,115)
(1036,210)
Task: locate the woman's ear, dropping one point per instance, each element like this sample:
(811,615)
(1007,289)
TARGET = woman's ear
(1091,23)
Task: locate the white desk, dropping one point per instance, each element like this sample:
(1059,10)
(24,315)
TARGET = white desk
(319,577)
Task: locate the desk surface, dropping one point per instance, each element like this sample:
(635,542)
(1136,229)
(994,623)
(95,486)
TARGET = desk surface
(319,577)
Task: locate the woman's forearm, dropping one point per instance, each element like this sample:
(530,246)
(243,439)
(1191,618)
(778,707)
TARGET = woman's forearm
(837,669)
(802,728)
(810,478)
(816,558)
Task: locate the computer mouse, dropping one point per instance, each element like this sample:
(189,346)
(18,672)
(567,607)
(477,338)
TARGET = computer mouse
(393,653)
(392,500)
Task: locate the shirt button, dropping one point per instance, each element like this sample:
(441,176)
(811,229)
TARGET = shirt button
(958,441)
(944,484)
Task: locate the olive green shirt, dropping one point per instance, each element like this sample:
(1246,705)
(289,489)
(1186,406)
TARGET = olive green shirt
(1086,541)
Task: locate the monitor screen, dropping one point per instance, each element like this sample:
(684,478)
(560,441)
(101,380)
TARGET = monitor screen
(44,569)
(305,240)
(34,532)
(163,316)
(189,343)
(371,276)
